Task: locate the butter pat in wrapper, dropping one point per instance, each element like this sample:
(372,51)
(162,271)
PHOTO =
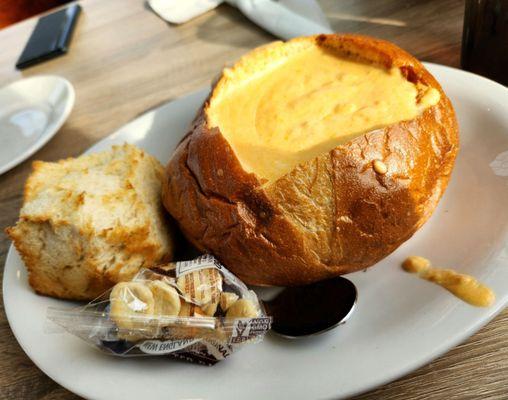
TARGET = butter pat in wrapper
(178,310)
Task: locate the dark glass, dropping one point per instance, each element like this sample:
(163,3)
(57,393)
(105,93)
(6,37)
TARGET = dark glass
(485,39)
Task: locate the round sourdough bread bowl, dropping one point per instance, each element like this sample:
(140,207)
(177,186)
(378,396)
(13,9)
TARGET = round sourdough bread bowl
(313,158)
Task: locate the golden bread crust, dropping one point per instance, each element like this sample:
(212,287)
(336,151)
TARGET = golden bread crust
(90,222)
(329,216)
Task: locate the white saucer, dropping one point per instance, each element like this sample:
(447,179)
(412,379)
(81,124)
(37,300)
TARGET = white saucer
(32,110)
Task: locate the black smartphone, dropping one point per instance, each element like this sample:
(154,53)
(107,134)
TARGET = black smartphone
(50,37)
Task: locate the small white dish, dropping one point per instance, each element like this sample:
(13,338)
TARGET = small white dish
(32,110)
(400,323)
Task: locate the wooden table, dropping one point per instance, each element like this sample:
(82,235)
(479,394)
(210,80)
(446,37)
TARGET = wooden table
(124,60)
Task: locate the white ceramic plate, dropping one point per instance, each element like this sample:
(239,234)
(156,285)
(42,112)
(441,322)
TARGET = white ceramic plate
(32,110)
(401,322)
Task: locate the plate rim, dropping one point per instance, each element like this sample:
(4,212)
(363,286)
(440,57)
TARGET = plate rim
(457,339)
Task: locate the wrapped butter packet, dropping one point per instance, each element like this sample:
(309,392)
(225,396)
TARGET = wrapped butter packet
(194,310)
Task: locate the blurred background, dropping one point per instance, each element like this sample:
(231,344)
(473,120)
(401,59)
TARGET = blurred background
(430,27)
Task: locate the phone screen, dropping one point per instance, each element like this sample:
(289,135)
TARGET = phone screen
(50,37)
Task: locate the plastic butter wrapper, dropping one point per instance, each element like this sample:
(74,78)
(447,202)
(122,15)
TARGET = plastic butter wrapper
(194,310)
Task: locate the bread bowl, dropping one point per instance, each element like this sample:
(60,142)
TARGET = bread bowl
(313,158)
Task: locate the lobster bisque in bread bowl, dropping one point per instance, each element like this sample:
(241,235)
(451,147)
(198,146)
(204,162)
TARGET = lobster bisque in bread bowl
(313,158)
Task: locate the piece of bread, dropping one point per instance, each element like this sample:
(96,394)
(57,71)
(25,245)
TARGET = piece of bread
(279,179)
(92,221)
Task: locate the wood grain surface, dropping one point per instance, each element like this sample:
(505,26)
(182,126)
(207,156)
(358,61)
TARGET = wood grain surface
(124,60)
